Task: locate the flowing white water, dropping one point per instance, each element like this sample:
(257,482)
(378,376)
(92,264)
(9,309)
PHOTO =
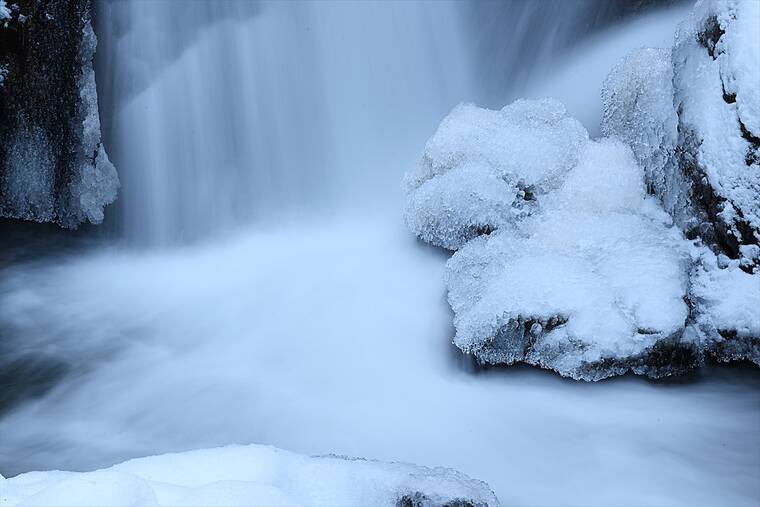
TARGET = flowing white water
(281,110)
(326,334)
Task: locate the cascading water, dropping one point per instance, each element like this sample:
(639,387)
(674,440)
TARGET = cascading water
(271,108)
(227,113)
(317,328)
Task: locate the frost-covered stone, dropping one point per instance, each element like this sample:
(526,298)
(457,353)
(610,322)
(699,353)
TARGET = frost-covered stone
(717,98)
(591,286)
(484,169)
(592,279)
(53,166)
(249,476)
(726,301)
(691,117)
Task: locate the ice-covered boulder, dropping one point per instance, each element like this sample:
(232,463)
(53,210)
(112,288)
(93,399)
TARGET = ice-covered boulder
(53,166)
(568,255)
(592,285)
(692,117)
(691,114)
(249,476)
(483,169)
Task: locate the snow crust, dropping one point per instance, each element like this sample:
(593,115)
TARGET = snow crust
(247,476)
(485,169)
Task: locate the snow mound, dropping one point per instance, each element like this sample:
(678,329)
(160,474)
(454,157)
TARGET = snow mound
(590,286)
(485,169)
(247,476)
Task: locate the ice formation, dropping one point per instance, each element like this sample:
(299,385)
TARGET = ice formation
(5,13)
(590,276)
(637,97)
(483,170)
(247,476)
(53,166)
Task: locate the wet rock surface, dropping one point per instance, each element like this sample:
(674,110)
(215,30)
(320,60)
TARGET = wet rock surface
(53,166)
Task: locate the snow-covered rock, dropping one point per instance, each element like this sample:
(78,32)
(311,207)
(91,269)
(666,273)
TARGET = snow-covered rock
(692,117)
(248,476)
(592,285)
(726,303)
(483,170)
(691,114)
(584,272)
(53,166)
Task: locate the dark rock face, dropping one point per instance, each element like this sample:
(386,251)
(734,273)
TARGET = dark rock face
(418,499)
(53,166)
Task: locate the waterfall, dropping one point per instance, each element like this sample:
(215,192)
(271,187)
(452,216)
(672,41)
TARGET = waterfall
(225,113)
(328,335)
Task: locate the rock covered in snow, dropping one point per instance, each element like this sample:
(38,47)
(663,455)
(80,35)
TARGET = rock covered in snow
(247,476)
(591,285)
(53,166)
(726,302)
(591,278)
(484,169)
(692,117)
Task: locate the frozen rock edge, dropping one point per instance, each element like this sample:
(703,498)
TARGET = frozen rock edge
(247,476)
(53,166)
(637,252)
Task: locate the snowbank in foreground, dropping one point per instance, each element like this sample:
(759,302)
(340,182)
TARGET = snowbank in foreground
(246,476)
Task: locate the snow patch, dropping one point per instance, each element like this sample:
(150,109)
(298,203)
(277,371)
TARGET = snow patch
(247,476)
